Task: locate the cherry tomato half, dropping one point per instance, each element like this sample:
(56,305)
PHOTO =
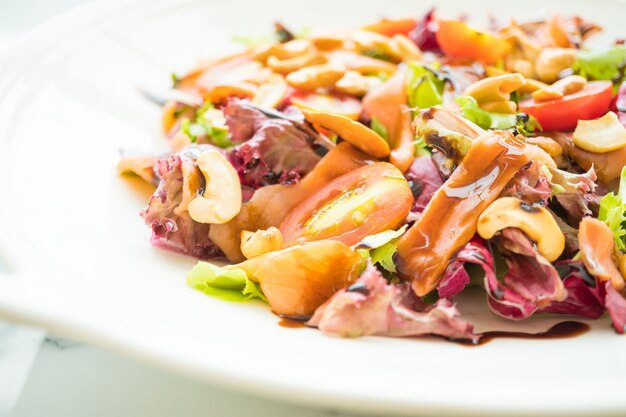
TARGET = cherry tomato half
(459,40)
(563,114)
(366,201)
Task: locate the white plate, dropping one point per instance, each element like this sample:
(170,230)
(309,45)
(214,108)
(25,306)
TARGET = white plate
(80,264)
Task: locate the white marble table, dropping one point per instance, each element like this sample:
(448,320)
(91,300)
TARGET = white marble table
(58,377)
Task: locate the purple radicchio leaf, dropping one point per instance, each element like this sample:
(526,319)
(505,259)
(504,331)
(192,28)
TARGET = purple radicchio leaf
(530,185)
(588,296)
(424,179)
(172,227)
(425,33)
(275,149)
(371,306)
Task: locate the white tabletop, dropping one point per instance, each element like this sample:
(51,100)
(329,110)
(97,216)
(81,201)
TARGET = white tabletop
(69,379)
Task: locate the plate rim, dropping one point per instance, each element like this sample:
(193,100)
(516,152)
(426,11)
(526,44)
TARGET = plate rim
(65,325)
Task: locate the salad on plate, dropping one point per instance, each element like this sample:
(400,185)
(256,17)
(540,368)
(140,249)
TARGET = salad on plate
(359,180)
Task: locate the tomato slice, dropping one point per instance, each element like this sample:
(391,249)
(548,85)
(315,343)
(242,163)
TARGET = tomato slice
(563,114)
(459,40)
(369,200)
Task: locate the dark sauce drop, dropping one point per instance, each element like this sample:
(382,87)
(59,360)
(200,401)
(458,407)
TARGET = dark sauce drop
(563,330)
(292,324)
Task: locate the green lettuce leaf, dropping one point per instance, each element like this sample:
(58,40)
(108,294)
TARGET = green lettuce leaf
(524,123)
(384,255)
(380,239)
(381,247)
(201,126)
(602,65)
(424,88)
(421,149)
(231,284)
(487,120)
(613,212)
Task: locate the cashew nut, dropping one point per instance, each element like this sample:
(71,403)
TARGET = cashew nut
(535,221)
(494,93)
(285,66)
(287,50)
(272,93)
(372,41)
(523,67)
(551,61)
(406,48)
(497,88)
(563,87)
(191,185)
(356,84)
(221,200)
(601,135)
(549,145)
(260,242)
(316,76)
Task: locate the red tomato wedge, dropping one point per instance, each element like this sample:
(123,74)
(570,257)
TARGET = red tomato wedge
(563,114)
(369,200)
(459,40)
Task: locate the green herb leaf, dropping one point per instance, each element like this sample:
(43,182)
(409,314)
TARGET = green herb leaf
(231,284)
(421,149)
(487,120)
(379,239)
(379,128)
(424,88)
(613,212)
(602,65)
(202,126)
(383,255)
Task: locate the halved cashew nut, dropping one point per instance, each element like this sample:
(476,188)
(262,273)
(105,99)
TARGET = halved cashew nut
(285,66)
(191,185)
(366,40)
(356,133)
(551,61)
(535,221)
(287,50)
(221,200)
(523,67)
(601,135)
(552,147)
(407,50)
(564,87)
(257,243)
(356,84)
(272,93)
(316,76)
(494,89)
